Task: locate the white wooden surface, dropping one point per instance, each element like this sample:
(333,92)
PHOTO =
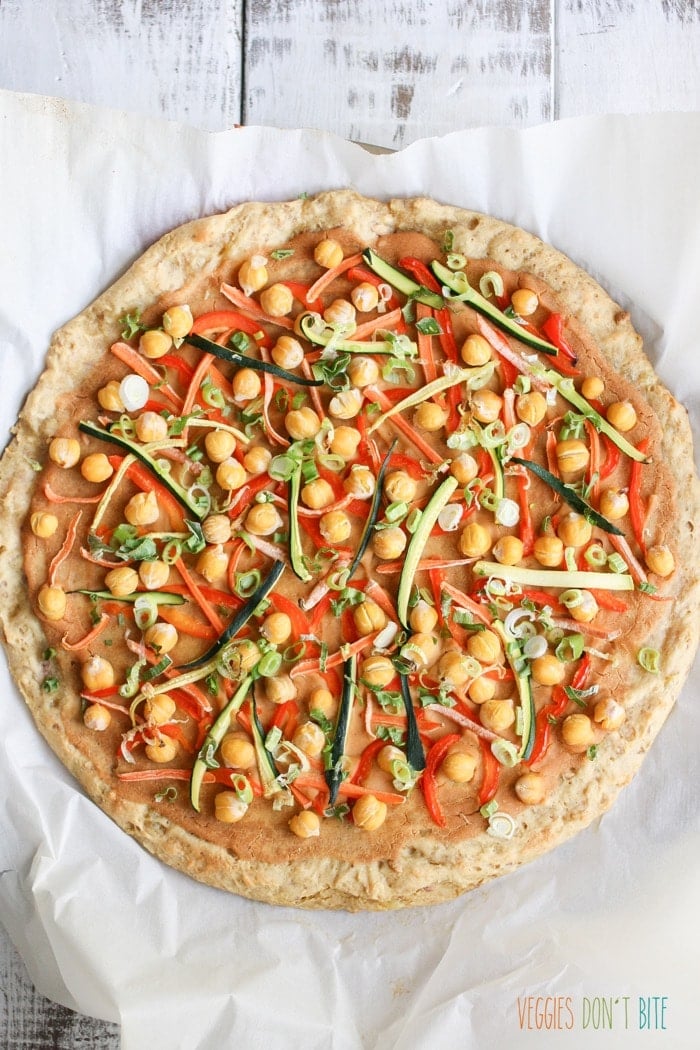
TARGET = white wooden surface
(381,71)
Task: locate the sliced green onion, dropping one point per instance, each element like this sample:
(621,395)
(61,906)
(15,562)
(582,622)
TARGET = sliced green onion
(413,520)
(171,552)
(649,659)
(455,261)
(522,384)
(490,283)
(241,785)
(294,653)
(145,611)
(596,555)
(570,648)
(246,583)
(212,395)
(570,559)
(281,468)
(571,598)
(616,563)
(489,809)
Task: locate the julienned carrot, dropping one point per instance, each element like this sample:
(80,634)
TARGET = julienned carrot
(378,595)
(491,773)
(622,547)
(268,394)
(141,367)
(66,548)
(54,497)
(349,789)
(390,567)
(479,612)
(196,592)
(638,511)
(283,604)
(251,309)
(378,397)
(364,766)
(312,666)
(382,321)
(89,638)
(428,781)
(197,378)
(425,344)
(319,286)
(313,391)
(221,320)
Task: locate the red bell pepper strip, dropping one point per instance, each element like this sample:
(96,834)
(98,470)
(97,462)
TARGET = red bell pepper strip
(638,511)
(554,710)
(300,621)
(367,757)
(420,272)
(244,496)
(447,338)
(145,480)
(178,364)
(300,292)
(230,319)
(612,457)
(491,773)
(553,330)
(428,781)
(285,718)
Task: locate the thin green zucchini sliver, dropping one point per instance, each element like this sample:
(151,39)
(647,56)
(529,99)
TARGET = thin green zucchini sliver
(415,755)
(572,498)
(373,512)
(214,737)
(237,358)
(334,775)
(160,597)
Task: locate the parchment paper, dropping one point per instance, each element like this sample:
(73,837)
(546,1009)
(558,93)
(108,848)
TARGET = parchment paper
(109,931)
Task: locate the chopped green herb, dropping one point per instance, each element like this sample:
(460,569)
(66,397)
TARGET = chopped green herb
(281,253)
(168,794)
(50,684)
(428,326)
(592,751)
(131,324)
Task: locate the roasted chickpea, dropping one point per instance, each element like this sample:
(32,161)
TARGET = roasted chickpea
(660,560)
(464,467)
(229,808)
(622,415)
(97,717)
(369,813)
(430,416)
(322,700)
(363,371)
(360,482)
(252,274)
(475,351)
(328,253)
(257,459)
(237,751)
(159,709)
(585,610)
(547,670)
(64,452)
(287,352)
(390,543)
(305,824)
(310,739)
(377,671)
(549,551)
(508,550)
(302,423)
(400,487)
(96,467)
(614,504)
(317,494)
(484,646)
(212,564)
(524,301)
(572,456)
(335,527)
(577,732)
(161,637)
(246,385)
(276,628)
(459,766)
(421,649)
(474,540)
(486,405)
(422,617)
(340,311)
(387,756)
(454,667)
(97,673)
(481,689)
(110,398)
(230,474)
(219,445)
(150,426)
(277,300)
(608,714)
(178,321)
(530,788)
(121,581)
(153,574)
(346,404)
(345,441)
(497,715)
(365,297)
(592,387)
(574,530)
(280,689)
(217,528)
(368,617)
(531,408)
(43,524)
(163,750)
(155,343)
(263,519)
(142,509)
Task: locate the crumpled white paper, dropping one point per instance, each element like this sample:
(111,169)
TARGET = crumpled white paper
(109,931)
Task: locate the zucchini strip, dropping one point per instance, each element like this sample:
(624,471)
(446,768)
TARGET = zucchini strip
(438,500)
(559,578)
(401,281)
(216,734)
(567,493)
(415,755)
(521,670)
(237,358)
(566,388)
(296,554)
(373,512)
(335,774)
(160,597)
(450,379)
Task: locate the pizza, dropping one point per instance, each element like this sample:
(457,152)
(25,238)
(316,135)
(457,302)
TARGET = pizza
(349,556)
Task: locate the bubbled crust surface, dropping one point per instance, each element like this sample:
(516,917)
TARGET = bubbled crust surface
(426,870)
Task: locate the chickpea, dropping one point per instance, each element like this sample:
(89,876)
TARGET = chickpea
(328,253)
(212,564)
(335,526)
(246,385)
(363,371)
(121,581)
(614,504)
(230,474)
(305,824)
(530,789)
(549,551)
(474,540)
(421,649)
(422,617)
(317,494)
(459,766)
(252,274)
(389,544)
(277,300)
(110,398)
(574,530)
(161,637)
(64,452)
(150,426)
(577,732)
(159,709)
(142,509)
(263,519)
(547,670)
(302,423)
(572,456)
(368,617)
(248,655)
(310,739)
(257,459)
(497,715)
(154,574)
(287,352)
(454,667)
(360,482)
(97,717)
(531,408)
(586,610)
(475,351)
(430,416)
(660,560)
(178,321)
(97,673)
(345,441)
(524,301)
(464,467)
(481,689)
(369,813)
(365,297)
(217,528)
(43,524)
(484,646)
(280,689)
(486,405)
(96,467)
(387,756)
(622,415)
(400,487)
(508,550)
(322,700)
(52,602)
(154,343)
(164,750)
(608,714)
(237,751)
(219,445)
(377,671)
(346,404)
(340,311)
(592,387)
(229,808)
(276,628)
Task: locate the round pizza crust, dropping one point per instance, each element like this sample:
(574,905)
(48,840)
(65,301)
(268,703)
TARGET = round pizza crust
(427,869)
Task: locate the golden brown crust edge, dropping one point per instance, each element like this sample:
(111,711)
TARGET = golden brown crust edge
(427,871)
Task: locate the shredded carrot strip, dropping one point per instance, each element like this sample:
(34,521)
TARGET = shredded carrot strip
(379,398)
(185,623)
(249,307)
(268,394)
(425,565)
(234,560)
(378,595)
(313,391)
(465,602)
(350,790)
(66,548)
(594,463)
(502,347)
(509,407)
(196,592)
(136,363)
(382,322)
(311,666)
(329,276)
(200,372)
(54,497)
(89,638)
(622,547)
(425,344)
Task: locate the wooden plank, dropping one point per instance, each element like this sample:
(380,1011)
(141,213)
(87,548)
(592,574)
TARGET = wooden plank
(158,57)
(391,72)
(622,56)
